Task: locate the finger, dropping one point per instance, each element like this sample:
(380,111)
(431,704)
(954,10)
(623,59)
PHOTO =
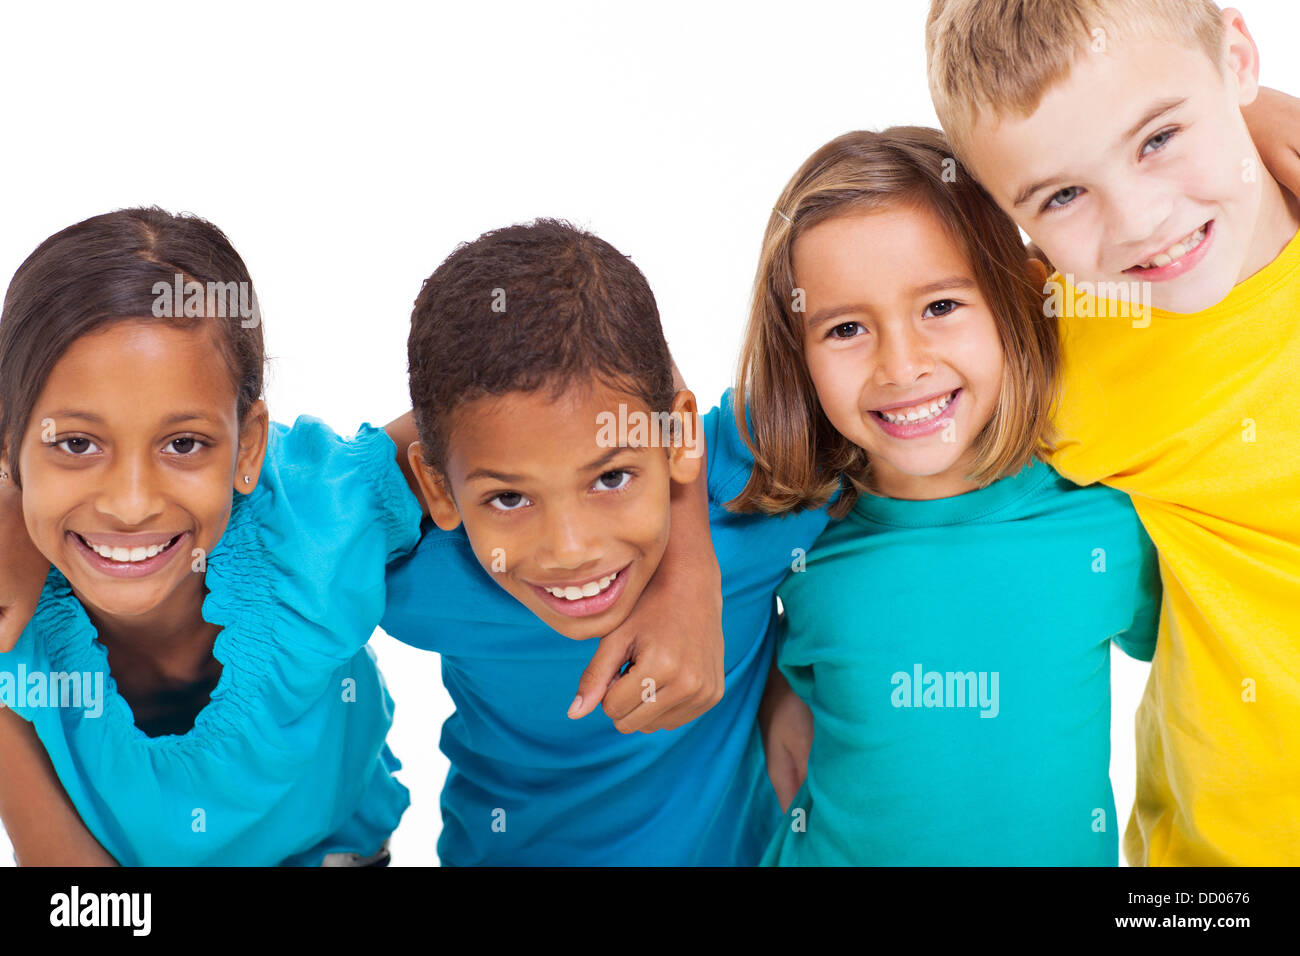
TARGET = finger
(630,702)
(652,718)
(602,670)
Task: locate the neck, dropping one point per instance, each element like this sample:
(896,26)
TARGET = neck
(172,637)
(1279,220)
(889,482)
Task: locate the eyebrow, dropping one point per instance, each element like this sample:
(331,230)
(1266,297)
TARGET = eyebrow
(85,416)
(1157,110)
(510,479)
(928,288)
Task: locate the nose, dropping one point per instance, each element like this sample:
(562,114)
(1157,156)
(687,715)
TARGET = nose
(131,491)
(1138,211)
(572,539)
(902,356)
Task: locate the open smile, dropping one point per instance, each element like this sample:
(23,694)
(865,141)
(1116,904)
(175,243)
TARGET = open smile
(583,599)
(127,556)
(920,418)
(1177,259)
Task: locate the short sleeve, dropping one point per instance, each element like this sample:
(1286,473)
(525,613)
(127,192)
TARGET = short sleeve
(301,566)
(1139,640)
(729,459)
(319,480)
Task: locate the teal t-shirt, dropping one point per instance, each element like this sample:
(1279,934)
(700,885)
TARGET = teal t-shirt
(287,762)
(955,654)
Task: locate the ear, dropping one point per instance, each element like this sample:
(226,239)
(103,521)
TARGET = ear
(1242,56)
(433,486)
(1036,269)
(686,455)
(253,434)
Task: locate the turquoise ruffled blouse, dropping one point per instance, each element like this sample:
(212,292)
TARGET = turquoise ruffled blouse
(288,761)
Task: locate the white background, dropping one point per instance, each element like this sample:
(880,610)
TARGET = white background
(346,149)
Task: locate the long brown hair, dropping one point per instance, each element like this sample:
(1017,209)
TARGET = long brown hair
(102,270)
(800,458)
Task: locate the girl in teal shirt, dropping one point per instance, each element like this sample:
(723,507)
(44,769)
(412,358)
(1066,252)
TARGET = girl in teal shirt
(196,668)
(951,633)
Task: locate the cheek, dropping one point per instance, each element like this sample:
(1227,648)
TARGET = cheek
(983,360)
(831,372)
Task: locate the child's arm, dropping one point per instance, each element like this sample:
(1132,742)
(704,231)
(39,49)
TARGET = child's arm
(404,434)
(786,723)
(673,637)
(23,569)
(43,825)
(1274,123)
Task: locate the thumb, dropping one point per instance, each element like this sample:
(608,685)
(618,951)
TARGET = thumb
(602,670)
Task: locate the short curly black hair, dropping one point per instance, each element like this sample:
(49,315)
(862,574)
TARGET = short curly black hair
(531,306)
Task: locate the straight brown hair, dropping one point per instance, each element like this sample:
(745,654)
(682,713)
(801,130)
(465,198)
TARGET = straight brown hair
(800,458)
(103,270)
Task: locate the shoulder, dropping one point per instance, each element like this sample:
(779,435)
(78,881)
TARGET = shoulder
(318,484)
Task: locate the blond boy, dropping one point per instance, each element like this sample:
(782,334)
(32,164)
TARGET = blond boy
(1111,131)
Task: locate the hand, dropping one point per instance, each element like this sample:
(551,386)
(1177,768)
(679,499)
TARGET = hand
(1274,123)
(786,723)
(23,569)
(673,638)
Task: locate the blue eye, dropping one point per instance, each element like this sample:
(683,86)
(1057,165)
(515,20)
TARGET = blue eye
(1065,197)
(1160,140)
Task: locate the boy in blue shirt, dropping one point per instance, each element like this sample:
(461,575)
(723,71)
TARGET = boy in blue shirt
(551,432)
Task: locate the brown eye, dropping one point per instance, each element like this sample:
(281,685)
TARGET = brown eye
(77,446)
(507,501)
(613,480)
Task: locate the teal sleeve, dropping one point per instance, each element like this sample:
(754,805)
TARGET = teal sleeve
(340,486)
(1139,640)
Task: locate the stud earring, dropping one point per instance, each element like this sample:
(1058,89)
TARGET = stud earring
(247,480)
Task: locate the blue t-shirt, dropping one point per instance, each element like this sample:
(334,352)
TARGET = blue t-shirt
(529,786)
(287,762)
(955,654)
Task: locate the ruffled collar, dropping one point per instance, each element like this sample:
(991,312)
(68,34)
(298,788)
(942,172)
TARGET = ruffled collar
(239,601)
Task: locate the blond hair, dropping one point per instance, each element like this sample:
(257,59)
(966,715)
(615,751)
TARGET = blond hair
(1003,55)
(800,459)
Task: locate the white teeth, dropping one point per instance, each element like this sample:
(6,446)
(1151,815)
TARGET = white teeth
(590,589)
(127,555)
(1177,250)
(919,413)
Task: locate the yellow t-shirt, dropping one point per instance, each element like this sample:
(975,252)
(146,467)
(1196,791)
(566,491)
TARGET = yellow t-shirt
(1197,417)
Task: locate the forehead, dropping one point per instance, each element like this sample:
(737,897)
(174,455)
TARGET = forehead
(1085,119)
(136,367)
(874,252)
(540,429)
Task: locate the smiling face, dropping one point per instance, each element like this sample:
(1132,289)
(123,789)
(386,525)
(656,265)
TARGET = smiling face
(1139,168)
(901,346)
(128,463)
(570,523)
